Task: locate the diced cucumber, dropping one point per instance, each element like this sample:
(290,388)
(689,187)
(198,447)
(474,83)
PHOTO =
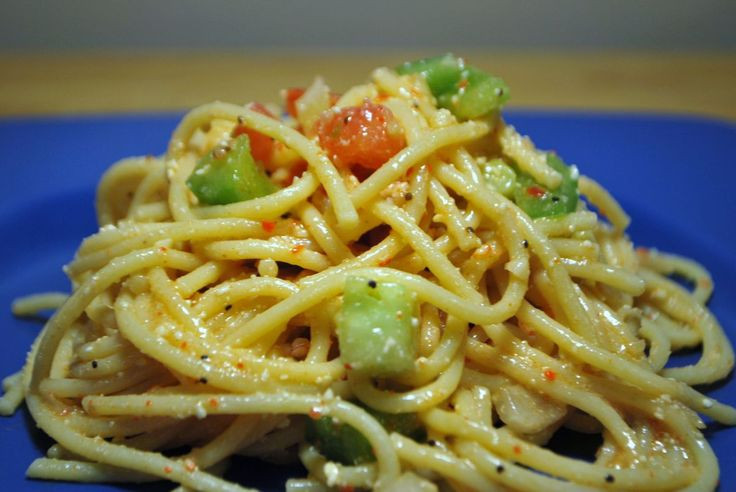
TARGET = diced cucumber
(375,327)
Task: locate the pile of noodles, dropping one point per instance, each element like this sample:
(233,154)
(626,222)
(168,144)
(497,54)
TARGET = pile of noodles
(198,332)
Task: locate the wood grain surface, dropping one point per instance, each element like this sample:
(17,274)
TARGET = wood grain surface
(702,84)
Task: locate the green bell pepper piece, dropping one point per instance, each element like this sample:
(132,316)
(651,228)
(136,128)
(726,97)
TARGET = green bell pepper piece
(343,443)
(442,73)
(466,91)
(338,441)
(483,94)
(500,176)
(539,201)
(227,176)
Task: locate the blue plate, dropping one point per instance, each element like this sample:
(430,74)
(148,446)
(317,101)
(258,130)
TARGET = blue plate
(674,175)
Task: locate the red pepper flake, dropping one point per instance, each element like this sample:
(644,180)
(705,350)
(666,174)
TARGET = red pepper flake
(315,413)
(149,403)
(462,84)
(213,402)
(163,249)
(297,249)
(239,365)
(168,469)
(550,375)
(190,465)
(347,488)
(347,366)
(536,191)
(183,345)
(385,261)
(268,225)
(517,449)
(381,98)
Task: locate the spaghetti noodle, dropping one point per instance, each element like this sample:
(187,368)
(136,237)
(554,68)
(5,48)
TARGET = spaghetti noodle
(216,326)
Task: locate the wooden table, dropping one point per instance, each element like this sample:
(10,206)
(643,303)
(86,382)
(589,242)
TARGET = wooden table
(683,83)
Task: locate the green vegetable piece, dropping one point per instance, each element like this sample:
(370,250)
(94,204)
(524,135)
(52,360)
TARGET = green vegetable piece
(538,201)
(466,91)
(499,176)
(343,443)
(407,424)
(483,94)
(442,73)
(339,441)
(227,176)
(375,327)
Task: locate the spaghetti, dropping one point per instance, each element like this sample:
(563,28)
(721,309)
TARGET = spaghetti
(219,326)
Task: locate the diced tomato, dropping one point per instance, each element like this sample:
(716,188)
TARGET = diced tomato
(261,146)
(290,97)
(296,170)
(366,135)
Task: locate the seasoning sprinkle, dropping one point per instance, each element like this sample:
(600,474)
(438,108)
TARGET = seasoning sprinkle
(500,468)
(94,364)
(525,243)
(408,196)
(550,375)
(228,307)
(610,478)
(203,380)
(204,357)
(220,151)
(268,225)
(372,284)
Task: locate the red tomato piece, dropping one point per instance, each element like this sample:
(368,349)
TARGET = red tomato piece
(290,97)
(261,146)
(367,135)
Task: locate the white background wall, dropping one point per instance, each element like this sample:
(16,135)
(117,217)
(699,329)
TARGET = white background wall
(83,25)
